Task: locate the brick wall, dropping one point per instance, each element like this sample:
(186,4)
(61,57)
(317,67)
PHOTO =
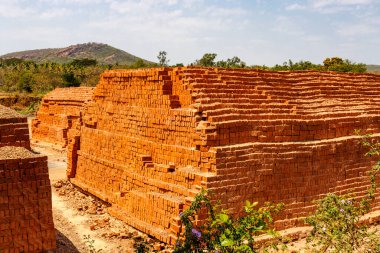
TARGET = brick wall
(26,221)
(58,113)
(150,139)
(13,129)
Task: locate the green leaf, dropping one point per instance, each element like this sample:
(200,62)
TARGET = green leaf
(223,217)
(227,243)
(244,248)
(259,227)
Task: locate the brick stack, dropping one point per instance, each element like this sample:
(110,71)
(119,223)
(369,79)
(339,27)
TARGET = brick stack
(150,139)
(26,221)
(13,129)
(59,112)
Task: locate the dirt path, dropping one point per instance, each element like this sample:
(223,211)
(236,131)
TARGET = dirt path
(75,227)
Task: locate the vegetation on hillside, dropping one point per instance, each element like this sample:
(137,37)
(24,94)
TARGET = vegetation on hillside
(19,75)
(102,53)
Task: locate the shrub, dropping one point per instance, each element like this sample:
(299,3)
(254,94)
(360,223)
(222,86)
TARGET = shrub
(336,223)
(69,80)
(26,82)
(221,232)
(81,63)
(336,226)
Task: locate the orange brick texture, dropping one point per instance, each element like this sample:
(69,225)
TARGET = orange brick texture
(151,139)
(26,221)
(13,129)
(58,113)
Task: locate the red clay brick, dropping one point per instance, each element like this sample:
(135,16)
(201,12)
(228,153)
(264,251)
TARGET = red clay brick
(59,112)
(26,220)
(149,139)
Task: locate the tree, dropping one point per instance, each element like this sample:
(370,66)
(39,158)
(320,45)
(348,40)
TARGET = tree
(139,64)
(234,62)
(86,62)
(69,80)
(208,60)
(340,65)
(332,61)
(162,60)
(26,82)
(12,61)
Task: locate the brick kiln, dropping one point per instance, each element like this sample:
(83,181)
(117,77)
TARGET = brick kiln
(58,113)
(13,129)
(26,221)
(150,139)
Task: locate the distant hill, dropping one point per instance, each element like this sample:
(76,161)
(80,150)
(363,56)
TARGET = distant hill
(373,69)
(103,53)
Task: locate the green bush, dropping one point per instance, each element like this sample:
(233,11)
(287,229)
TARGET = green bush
(26,82)
(222,232)
(81,63)
(336,227)
(336,222)
(69,80)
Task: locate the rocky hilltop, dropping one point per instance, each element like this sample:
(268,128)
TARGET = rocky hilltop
(103,53)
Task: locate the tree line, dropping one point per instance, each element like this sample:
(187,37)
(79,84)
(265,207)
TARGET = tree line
(329,64)
(18,75)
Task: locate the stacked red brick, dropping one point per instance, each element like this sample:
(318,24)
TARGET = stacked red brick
(58,113)
(25,194)
(26,221)
(150,139)
(13,129)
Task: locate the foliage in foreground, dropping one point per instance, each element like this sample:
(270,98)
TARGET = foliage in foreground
(336,223)
(222,232)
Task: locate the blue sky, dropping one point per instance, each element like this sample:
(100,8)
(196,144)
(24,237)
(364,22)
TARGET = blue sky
(258,31)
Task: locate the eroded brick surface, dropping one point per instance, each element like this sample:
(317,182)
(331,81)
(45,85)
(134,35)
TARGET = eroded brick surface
(13,128)
(150,139)
(58,113)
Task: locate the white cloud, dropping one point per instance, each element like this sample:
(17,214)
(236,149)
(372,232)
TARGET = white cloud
(326,3)
(287,26)
(357,30)
(329,6)
(68,2)
(55,13)
(257,31)
(294,7)
(13,9)
(125,6)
